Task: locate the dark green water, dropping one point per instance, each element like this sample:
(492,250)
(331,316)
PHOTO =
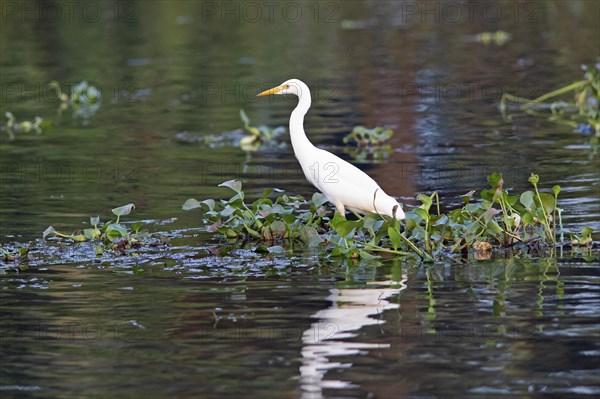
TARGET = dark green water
(246,325)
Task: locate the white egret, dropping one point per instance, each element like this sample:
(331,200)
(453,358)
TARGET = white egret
(344,185)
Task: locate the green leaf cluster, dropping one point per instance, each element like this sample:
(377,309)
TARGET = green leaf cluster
(112,235)
(496,218)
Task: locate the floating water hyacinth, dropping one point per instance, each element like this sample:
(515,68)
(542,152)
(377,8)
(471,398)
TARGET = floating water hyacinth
(496,219)
(258,135)
(12,126)
(85,99)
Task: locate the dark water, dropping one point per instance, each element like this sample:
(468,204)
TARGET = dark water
(192,324)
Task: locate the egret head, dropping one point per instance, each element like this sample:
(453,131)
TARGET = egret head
(292,86)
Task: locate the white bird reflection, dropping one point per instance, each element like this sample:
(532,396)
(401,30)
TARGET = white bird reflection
(350,310)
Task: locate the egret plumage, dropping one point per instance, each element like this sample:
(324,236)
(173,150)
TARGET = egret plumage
(344,185)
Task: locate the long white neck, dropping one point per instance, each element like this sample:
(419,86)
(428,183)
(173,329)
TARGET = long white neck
(300,142)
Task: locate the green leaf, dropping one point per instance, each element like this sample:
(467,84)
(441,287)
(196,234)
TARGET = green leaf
(441,221)
(346,227)
(422,213)
(95,220)
(488,195)
(228,211)
(495,180)
(372,221)
(91,234)
(235,185)
(548,201)
(289,218)
(244,117)
(419,233)
(278,209)
(494,227)
(210,203)
(318,199)
(123,210)
(511,199)
(278,228)
(467,197)
(395,238)
(527,199)
(189,204)
(426,200)
(310,236)
(527,218)
(586,232)
(137,226)
(266,192)
(473,208)
(115,231)
(276,249)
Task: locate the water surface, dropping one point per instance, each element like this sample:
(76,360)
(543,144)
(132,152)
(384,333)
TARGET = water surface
(190,323)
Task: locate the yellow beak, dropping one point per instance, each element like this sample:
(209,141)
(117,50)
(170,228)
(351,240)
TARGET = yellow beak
(270,91)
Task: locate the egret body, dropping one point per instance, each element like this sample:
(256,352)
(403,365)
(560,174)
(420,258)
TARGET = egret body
(344,185)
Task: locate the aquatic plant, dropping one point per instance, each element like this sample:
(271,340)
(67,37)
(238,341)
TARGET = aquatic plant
(85,99)
(369,137)
(495,219)
(112,235)
(258,135)
(11,255)
(369,142)
(581,111)
(498,38)
(12,126)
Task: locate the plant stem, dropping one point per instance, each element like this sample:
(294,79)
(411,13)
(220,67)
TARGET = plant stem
(555,93)
(545,223)
(424,256)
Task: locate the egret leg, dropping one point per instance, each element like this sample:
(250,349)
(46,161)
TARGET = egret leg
(341,209)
